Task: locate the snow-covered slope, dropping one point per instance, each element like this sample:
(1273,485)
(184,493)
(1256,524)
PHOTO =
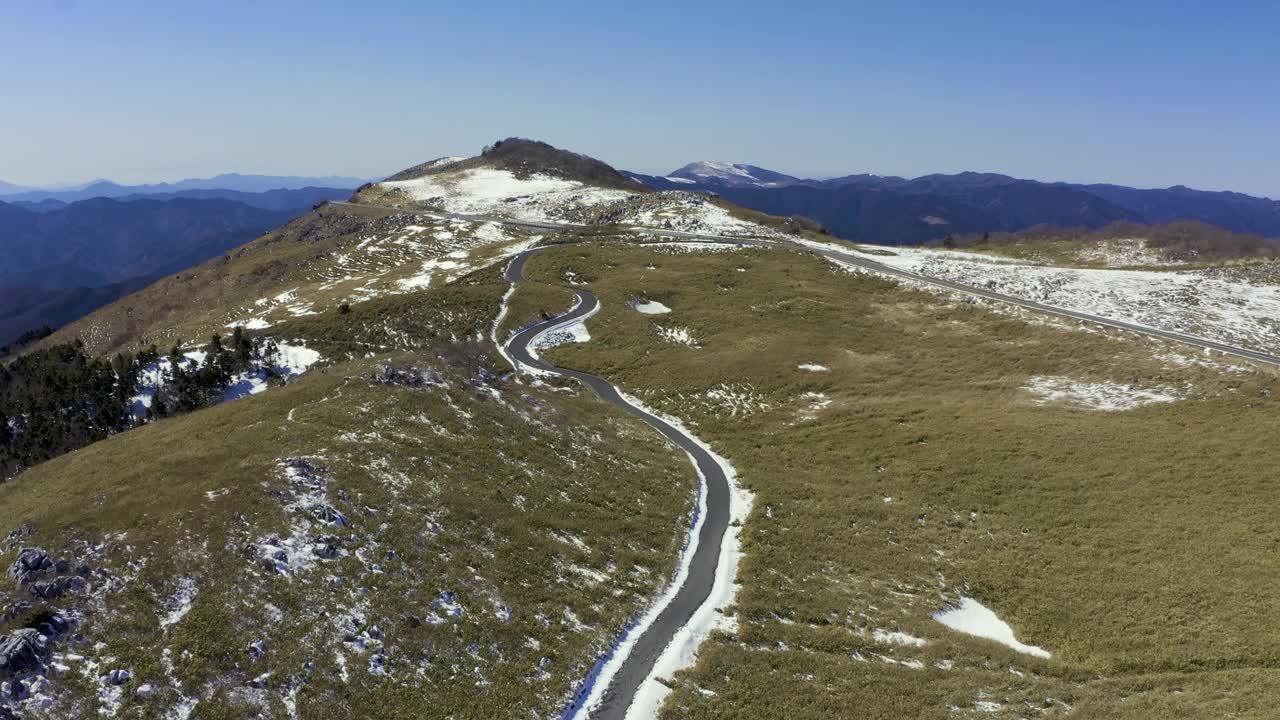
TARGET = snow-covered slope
(491,191)
(541,197)
(1195,302)
(731,174)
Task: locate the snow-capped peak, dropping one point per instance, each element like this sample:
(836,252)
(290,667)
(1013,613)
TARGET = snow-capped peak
(714,168)
(733,174)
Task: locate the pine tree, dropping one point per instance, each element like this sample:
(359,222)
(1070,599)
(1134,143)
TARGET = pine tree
(242,348)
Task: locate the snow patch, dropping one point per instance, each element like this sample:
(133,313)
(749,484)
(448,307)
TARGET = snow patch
(896,637)
(179,604)
(575,332)
(489,191)
(1105,396)
(650,307)
(251,324)
(677,335)
(973,618)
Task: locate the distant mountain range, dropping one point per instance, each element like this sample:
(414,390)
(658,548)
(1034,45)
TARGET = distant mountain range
(63,260)
(269,200)
(225,182)
(893,210)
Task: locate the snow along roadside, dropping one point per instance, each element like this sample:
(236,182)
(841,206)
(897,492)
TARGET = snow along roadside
(682,652)
(497,323)
(602,675)
(533,341)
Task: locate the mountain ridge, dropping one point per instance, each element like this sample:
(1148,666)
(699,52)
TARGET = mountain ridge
(995,202)
(226,181)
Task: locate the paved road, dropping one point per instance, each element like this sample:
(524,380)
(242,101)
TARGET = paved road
(864,262)
(702,566)
(1200,342)
(700,579)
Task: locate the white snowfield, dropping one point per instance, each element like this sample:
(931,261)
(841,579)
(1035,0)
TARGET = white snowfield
(973,618)
(1188,301)
(488,191)
(543,198)
(688,212)
(393,259)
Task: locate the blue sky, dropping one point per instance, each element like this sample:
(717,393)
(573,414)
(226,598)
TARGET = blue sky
(1141,93)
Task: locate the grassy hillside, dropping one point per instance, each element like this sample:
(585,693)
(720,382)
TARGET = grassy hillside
(381,538)
(408,529)
(307,269)
(921,466)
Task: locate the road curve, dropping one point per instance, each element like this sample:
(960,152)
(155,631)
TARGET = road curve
(712,525)
(868,264)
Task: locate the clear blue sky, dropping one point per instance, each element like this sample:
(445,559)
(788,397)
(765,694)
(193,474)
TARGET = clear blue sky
(1142,93)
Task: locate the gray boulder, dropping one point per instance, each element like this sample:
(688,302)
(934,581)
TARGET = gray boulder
(30,561)
(21,651)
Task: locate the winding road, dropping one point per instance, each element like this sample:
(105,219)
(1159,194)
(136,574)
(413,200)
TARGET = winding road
(852,258)
(639,655)
(711,525)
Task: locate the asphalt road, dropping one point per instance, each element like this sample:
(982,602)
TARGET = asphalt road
(696,589)
(872,265)
(700,579)
(1199,342)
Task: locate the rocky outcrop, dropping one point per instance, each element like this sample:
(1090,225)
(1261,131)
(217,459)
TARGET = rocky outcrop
(22,651)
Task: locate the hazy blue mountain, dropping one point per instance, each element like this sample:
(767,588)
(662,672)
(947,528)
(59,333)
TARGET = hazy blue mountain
(268,200)
(229,181)
(23,307)
(40,205)
(1230,210)
(895,210)
(102,241)
(62,261)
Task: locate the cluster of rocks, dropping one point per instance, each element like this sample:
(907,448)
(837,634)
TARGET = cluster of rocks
(388,374)
(34,564)
(24,652)
(307,497)
(626,211)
